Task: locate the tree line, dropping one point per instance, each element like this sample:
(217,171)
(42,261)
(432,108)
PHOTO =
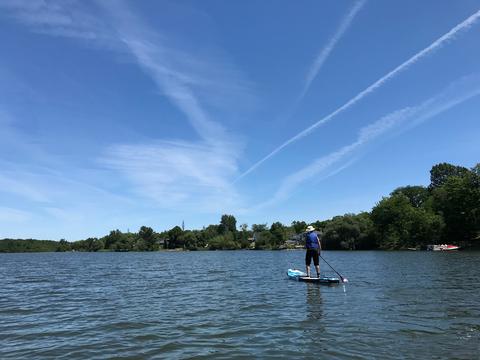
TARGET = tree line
(448,210)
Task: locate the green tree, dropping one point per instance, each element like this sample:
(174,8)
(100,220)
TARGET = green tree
(417,195)
(228,223)
(111,239)
(91,244)
(399,225)
(63,245)
(259,228)
(458,201)
(189,240)
(223,242)
(349,232)
(441,172)
(174,237)
(476,169)
(264,240)
(299,226)
(279,234)
(244,236)
(148,236)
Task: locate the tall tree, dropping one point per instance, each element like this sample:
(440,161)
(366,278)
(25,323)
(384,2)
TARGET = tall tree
(458,201)
(299,226)
(399,225)
(441,172)
(111,239)
(228,223)
(417,195)
(174,237)
(147,235)
(256,228)
(279,234)
(349,232)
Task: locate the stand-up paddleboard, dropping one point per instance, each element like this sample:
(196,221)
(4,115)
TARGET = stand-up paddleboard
(301,276)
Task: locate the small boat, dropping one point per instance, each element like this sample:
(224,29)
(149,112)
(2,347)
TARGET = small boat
(442,247)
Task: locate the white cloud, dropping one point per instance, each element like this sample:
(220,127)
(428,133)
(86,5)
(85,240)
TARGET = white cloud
(58,18)
(178,174)
(168,172)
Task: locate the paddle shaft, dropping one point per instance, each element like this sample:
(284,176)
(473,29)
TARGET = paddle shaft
(341,277)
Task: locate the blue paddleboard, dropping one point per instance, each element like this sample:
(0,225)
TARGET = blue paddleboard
(298,275)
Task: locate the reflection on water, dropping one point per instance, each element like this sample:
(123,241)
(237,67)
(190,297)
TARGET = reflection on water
(314,301)
(238,304)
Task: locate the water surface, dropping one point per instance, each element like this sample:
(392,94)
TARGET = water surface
(238,304)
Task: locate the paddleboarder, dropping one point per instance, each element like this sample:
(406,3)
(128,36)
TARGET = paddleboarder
(314,247)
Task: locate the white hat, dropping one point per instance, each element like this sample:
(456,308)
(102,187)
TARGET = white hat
(310,228)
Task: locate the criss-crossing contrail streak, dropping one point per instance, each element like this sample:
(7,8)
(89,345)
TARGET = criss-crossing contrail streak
(463,26)
(403,119)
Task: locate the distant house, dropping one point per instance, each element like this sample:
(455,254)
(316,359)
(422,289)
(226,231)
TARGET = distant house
(163,242)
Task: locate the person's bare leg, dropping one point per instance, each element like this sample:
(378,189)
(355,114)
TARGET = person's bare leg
(317,267)
(308,270)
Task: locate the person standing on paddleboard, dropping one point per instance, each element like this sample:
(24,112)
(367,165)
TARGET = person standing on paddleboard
(312,243)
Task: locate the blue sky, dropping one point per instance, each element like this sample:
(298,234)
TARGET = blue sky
(118,114)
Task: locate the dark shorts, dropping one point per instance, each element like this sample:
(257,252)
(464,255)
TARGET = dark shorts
(311,254)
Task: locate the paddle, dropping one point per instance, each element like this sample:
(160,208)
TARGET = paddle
(344,280)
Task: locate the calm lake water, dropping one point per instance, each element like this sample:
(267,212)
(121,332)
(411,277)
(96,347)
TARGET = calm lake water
(238,304)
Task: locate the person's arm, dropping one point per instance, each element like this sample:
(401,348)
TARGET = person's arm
(319,244)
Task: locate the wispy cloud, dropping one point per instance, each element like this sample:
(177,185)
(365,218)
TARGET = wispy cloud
(160,169)
(12,185)
(8,214)
(325,52)
(178,174)
(402,120)
(59,18)
(437,44)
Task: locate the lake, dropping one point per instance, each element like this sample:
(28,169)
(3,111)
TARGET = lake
(238,304)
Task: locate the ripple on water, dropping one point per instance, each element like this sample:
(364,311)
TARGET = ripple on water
(237,305)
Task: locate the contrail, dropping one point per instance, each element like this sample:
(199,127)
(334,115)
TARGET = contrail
(455,94)
(323,55)
(437,44)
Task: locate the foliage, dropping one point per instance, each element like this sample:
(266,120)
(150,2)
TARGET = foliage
(299,226)
(458,201)
(223,242)
(147,236)
(448,210)
(257,228)
(28,245)
(417,195)
(174,238)
(400,225)
(279,234)
(348,232)
(441,172)
(228,223)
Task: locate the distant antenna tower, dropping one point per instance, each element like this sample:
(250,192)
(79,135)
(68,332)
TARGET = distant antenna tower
(183,225)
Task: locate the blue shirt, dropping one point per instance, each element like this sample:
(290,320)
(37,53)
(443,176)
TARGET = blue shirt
(311,241)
